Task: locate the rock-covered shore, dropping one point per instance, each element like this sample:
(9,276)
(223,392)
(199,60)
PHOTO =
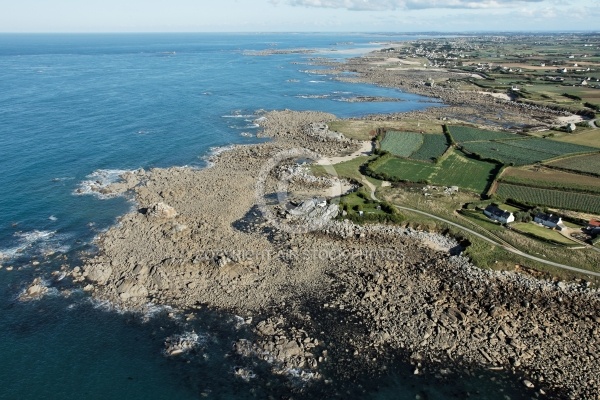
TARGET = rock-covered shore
(198,240)
(464,106)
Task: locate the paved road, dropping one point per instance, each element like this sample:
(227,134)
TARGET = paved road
(507,248)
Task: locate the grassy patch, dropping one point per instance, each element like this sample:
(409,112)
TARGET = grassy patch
(432,148)
(365,130)
(359,130)
(449,172)
(589,137)
(401,144)
(359,207)
(463,134)
(542,233)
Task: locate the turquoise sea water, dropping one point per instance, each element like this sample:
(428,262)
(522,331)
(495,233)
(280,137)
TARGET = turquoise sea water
(75,108)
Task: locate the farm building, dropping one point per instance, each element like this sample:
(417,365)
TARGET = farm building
(549,220)
(499,215)
(594,226)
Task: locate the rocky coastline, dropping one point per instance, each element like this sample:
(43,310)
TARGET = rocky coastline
(478,108)
(198,240)
(343,299)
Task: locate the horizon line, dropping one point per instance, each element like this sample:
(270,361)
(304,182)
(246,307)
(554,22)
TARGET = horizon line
(299,32)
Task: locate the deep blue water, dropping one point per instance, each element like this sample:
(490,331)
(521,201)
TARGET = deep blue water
(73,105)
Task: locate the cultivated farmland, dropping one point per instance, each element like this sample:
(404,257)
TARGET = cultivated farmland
(588,163)
(401,144)
(462,134)
(551,179)
(550,146)
(505,153)
(449,172)
(433,147)
(551,198)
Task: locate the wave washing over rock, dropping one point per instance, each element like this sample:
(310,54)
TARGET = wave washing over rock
(34,243)
(340,299)
(107,183)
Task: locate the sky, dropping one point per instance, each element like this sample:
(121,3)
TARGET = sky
(298,15)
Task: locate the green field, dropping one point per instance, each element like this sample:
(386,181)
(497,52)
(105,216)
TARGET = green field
(462,134)
(524,151)
(449,172)
(551,198)
(433,147)
(542,233)
(587,163)
(505,153)
(551,147)
(401,144)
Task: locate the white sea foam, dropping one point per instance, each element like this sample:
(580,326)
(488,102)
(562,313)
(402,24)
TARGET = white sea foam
(43,289)
(183,343)
(247,134)
(317,81)
(151,310)
(43,242)
(300,374)
(105,305)
(62,179)
(239,116)
(312,96)
(244,373)
(99,180)
(52,218)
(214,153)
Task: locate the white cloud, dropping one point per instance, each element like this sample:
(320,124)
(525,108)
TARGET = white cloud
(383,5)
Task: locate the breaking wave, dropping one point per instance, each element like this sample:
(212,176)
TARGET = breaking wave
(99,180)
(36,243)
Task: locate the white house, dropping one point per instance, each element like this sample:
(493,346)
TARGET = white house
(549,220)
(499,215)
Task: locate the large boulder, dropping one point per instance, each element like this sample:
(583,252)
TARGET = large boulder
(99,273)
(131,288)
(161,211)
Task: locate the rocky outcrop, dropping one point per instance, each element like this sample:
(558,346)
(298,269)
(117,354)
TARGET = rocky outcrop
(98,273)
(285,348)
(161,211)
(370,289)
(36,290)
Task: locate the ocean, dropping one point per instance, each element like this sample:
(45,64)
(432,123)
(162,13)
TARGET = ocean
(80,108)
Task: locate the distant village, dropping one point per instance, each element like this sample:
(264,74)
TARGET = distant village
(471,55)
